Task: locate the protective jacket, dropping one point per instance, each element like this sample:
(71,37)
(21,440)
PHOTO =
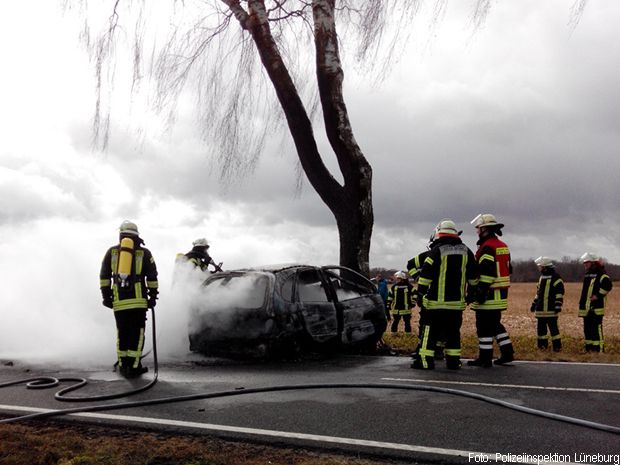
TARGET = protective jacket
(401,298)
(549,294)
(447,269)
(595,283)
(141,288)
(200,258)
(414,266)
(493,257)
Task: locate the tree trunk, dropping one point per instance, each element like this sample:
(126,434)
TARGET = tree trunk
(350,203)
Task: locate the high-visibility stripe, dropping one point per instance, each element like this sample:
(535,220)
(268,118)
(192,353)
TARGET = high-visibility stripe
(128,304)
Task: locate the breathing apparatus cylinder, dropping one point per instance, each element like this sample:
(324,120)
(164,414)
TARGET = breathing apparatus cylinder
(124,260)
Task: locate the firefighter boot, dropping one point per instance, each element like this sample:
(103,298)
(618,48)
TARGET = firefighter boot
(484,360)
(557,345)
(453,362)
(506,355)
(423,363)
(439,351)
(543,344)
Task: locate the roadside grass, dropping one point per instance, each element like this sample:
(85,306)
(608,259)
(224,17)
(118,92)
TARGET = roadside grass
(57,443)
(63,444)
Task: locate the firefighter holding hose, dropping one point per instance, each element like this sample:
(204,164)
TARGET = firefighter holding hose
(128,282)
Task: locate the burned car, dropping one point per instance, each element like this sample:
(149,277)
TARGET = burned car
(284,310)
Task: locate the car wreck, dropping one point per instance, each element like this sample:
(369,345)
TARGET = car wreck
(284,310)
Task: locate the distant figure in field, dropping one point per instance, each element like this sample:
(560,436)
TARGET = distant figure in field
(596,285)
(548,303)
(401,301)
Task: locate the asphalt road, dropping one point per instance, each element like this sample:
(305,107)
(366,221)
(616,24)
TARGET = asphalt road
(393,411)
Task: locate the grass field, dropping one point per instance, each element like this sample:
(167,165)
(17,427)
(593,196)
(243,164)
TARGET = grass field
(521,325)
(53,444)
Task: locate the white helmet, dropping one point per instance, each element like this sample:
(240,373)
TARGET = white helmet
(202,242)
(128,227)
(446,227)
(485,219)
(543,262)
(590,257)
(400,274)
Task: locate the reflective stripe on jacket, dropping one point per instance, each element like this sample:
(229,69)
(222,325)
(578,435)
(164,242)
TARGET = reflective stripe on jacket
(549,294)
(493,258)
(448,269)
(598,284)
(142,284)
(400,298)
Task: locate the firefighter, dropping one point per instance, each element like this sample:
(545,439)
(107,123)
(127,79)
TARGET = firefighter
(491,297)
(547,304)
(128,282)
(400,301)
(414,266)
(199,255)
(596,285)
(448,271)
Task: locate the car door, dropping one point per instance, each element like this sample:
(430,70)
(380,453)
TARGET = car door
(363,315)
(316,306)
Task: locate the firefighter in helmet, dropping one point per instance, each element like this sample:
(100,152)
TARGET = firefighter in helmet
(448,271)
(596,285)
(199,255)
(491,298)
(548,303)
(414,267)
(400,301)
(128,282)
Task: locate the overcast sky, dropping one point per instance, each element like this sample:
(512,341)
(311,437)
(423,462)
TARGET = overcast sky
(520,119)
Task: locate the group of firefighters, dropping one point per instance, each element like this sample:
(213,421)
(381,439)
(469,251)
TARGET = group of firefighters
(450,277)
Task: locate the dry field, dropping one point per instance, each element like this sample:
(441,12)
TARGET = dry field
(521,324)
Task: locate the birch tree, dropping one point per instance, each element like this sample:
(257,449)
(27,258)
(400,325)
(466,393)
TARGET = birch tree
(263,24)
(270,30)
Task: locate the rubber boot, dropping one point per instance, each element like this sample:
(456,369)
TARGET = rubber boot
(557,345)
(453,362)
(506,355)
(484,359)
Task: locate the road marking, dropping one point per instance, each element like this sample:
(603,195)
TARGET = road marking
(481,457)
(518,386)
(551,362)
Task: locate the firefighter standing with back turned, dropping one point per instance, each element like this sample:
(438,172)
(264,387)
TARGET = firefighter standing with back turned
(547,304)
(128,282)
(414,267)
(448,270)
(491,298)
(596,285)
